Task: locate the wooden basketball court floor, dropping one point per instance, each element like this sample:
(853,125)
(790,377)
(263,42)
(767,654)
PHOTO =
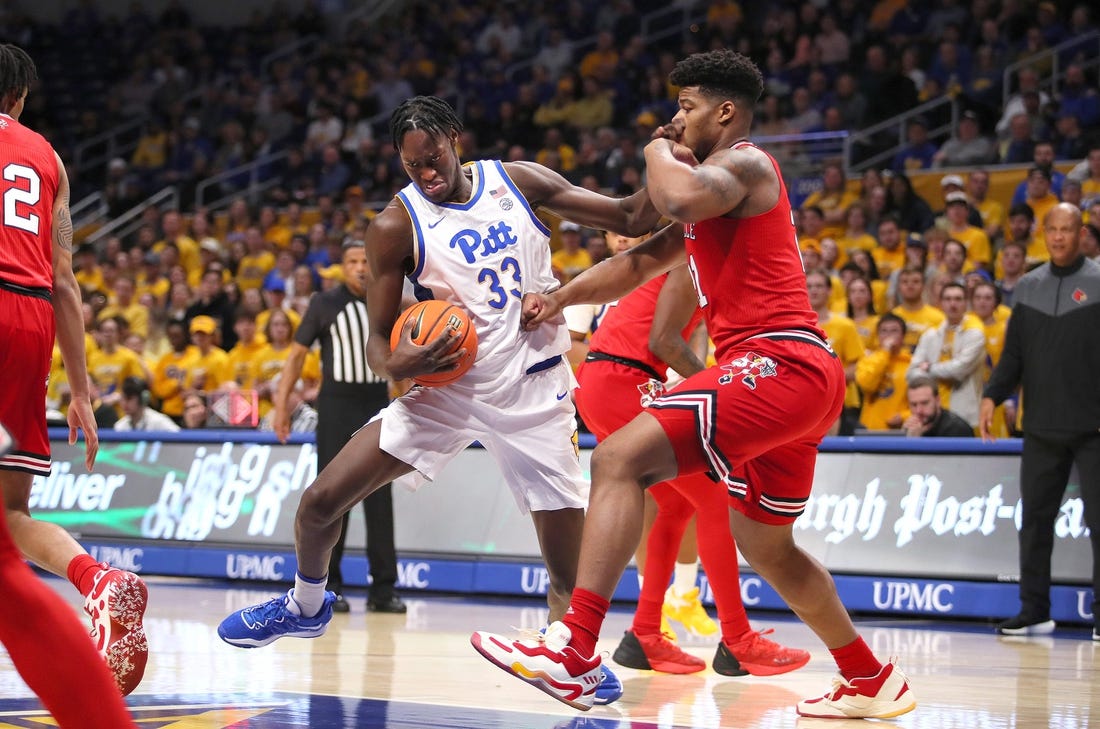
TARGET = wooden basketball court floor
(419,671)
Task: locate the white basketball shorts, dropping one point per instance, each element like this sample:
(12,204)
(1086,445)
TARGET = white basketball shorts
(528,425)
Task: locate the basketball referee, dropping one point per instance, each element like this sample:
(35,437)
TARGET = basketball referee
(351,394)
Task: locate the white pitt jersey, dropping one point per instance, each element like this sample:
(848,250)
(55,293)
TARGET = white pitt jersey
(483,255)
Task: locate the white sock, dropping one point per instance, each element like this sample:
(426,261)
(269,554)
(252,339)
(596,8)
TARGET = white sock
(309,594)
(683,579)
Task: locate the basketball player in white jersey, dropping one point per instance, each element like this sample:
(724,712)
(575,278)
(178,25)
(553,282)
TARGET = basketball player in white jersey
(467,235)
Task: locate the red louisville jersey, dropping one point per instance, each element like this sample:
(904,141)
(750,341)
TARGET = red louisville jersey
(28,185)
(624,329)
(748,273)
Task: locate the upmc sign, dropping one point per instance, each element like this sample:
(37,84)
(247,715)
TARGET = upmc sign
(905,532)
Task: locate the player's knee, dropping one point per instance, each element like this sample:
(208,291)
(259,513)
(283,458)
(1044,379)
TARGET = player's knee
(612,465)
(317,507)
(771,558)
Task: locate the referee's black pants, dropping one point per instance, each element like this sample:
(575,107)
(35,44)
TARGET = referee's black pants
(1044,473)
(339,416)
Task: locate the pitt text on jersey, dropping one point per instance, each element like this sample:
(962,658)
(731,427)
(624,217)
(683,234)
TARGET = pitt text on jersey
(476,248)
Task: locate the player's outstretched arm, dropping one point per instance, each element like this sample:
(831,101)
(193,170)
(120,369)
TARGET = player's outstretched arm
(610,279)
(634,215)
(69,321)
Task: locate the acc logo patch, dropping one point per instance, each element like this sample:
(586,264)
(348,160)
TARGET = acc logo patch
(750,368)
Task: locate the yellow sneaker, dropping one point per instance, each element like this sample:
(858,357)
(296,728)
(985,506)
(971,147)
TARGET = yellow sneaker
(666,629)
(687,610)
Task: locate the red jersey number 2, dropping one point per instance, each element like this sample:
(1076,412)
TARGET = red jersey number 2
(27,191)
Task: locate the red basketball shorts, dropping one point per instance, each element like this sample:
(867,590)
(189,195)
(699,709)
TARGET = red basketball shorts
(26,344)
(754,421)
(608,397)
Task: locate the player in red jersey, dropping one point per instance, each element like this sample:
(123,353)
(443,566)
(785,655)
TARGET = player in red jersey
(38,291)
(639,339)
(753,422)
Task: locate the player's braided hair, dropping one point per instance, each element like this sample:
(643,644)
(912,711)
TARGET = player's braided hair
(17,73)
(722,73)
(426,113)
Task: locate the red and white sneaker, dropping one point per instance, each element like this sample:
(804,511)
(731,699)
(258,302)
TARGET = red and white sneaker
(116,605)
(762,657)
(547,662)
(882,696)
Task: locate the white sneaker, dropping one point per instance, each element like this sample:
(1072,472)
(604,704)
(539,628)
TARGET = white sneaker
(547,662)
(882,696)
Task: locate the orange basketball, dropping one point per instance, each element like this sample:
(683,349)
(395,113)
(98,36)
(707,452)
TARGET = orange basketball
(430,319)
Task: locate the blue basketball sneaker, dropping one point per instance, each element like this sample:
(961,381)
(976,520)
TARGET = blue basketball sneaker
(277,618)
(610,688)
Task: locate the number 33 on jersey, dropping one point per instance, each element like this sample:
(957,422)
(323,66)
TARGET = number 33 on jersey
(482,255)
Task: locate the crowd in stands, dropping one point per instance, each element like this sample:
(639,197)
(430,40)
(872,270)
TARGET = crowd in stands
(206,302)
(917,293)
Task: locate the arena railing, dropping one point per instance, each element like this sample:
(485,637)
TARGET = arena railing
(895,126)
(257,182)
(89,209)
(166,199)
(1054,55)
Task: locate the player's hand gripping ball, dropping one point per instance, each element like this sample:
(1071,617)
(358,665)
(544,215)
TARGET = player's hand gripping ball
(430,319)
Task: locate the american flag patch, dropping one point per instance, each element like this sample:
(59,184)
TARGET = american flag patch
(499,192)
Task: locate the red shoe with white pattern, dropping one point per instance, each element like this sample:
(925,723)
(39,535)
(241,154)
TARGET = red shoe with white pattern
(116,605)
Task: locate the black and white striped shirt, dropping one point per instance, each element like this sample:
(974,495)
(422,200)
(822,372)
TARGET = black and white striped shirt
(338,319)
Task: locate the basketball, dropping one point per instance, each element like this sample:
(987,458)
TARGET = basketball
(430,319)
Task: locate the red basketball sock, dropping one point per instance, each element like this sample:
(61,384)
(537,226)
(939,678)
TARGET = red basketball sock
(673,516)
(647,618)
(718,553)
(584,618)
(82,571)
(856,660)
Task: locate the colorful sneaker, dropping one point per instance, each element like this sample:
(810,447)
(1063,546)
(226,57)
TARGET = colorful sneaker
(688,610)
(547,662)
(1026,625)
(277,618)
(762,657)
(882,696)
(116,605)
(610,688)
(655,653)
